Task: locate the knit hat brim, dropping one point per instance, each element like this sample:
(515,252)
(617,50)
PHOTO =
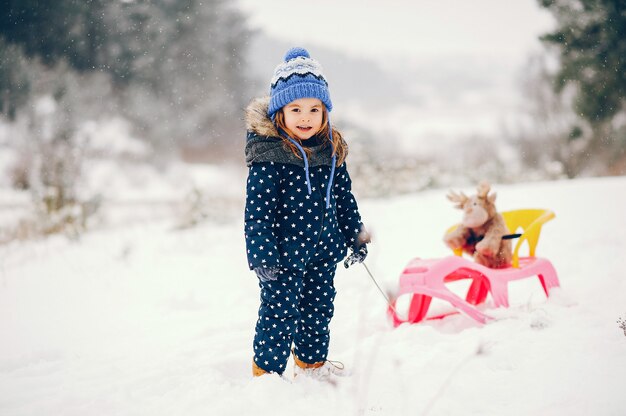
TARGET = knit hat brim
(300,90)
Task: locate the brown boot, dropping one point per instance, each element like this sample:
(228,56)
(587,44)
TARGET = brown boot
(304,365)
(256,370)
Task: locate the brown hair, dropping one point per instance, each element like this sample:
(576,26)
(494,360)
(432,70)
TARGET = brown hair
(340,147)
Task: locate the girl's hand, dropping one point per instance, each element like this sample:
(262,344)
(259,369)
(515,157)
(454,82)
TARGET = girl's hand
(358,255)
(359,250)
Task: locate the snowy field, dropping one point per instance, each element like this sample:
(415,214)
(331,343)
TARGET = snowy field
(151,320)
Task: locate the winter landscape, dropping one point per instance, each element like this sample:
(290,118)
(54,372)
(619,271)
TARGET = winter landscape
(150,319)
(124,286)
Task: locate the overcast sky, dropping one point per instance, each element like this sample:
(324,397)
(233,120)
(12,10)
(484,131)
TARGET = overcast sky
(414,29)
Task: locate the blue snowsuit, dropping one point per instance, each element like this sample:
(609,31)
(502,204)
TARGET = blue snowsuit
(290,228)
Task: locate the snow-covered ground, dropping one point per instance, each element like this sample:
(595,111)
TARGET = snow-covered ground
(153,320)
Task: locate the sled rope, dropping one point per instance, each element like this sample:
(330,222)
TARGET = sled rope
(382,292)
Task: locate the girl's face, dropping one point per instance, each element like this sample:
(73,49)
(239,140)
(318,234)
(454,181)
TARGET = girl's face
(303,117)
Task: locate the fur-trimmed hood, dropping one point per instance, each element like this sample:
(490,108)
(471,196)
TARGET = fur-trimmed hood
(257,120)
(264,143)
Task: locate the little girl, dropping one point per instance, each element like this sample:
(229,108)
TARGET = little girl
(300,217)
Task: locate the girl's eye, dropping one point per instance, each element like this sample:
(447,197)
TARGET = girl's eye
(315,110)
(295,110)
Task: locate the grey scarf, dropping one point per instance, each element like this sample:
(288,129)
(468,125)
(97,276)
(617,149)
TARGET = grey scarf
(272,149)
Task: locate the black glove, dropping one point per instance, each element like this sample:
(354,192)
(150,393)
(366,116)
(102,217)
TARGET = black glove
(267,274)
(359,248)
(357,256)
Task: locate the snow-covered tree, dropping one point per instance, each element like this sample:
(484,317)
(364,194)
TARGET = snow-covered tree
(590,38)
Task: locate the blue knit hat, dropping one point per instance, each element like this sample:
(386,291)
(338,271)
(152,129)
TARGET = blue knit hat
(298,76)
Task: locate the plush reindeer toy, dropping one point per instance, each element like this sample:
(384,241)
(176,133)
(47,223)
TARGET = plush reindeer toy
(482,229)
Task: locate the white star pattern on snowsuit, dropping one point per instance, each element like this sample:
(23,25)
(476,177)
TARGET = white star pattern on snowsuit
(288,228)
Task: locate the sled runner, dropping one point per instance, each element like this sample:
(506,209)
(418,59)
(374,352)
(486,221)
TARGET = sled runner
(426,278)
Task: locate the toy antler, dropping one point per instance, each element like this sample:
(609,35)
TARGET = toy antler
(483,189)
(459,199)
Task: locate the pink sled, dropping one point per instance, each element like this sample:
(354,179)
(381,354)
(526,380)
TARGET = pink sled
(426,278)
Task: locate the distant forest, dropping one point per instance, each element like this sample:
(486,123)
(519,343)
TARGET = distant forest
(173,68)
